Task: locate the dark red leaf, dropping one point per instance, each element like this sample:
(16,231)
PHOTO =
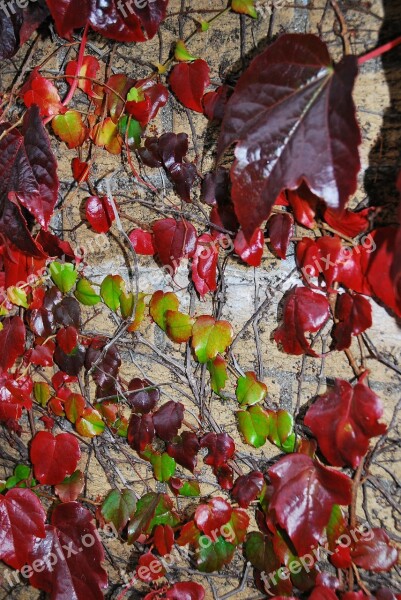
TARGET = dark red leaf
(204,265)
(280,228)
(10,25)
(355,315)
(174,240)
(70,363)
(142,242)
(210,517)
(184,449)
(22,519)
(189,82)
(142,401)
(247,488)
(292,97)
(141,431)
(12,342)
(54,457)
(304,205)
(343,421)
(214,103)
(163,539)
(100,213)
(303,497)
(250,251)
(104,365)
(221,448)
(67,339)
(304,311)
(375,554)
(72,555)
(168,420)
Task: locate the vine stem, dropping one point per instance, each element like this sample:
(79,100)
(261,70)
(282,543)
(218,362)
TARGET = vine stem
(379,51)
(80,60)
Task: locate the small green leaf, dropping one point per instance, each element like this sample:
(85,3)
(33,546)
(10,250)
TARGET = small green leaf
(159,304)
(212,556)
(151,510)
(204,25)
(134,132)
(245,7)
(111,289)
(181,52)
(178,326)
(163,466)
(190,489)
(17,296)
(64,275)
(119,507)
(135,95)
(210,337)
(254,424)
(282,430)
(90,423)
(218,373)
(85,294)
(41,392)
(249,390)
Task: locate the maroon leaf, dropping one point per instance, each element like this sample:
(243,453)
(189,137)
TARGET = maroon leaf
(164,539)
(105,366)
(10,25)
(355,315)
(247,488)
(100,213)
(184,449)
(54,457)
(375,554)
(303,498)
(72,556)
(221,448)
(12,342)
(22,523)
(67,339)
(168,420)
(343,421)
(189,81)
(173,240)
(142,401)
(293,117)
(280,228)
(70,363)
(210,517)
(141,431)
(118,21)
(204,265)
(250,251)
(304,310)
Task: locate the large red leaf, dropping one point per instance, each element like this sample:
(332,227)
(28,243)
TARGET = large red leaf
(210,517)
(304,310)
(293,117)
(303,497)
(12,342)
(189,82)
(221,447)
(141,431)
(343,421)
(173,240)
(120,21)
(100,213)
(72,555)
(22,522)
(54,457)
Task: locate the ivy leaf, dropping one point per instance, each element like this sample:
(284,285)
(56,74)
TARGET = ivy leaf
(280,230)
(218,373)
(292,96)
(89,69)
(160,303)
(163,466)
(247,488)
(113,20)
(251,251)
(221,448)
(249,390)
(173,241)
(178,326)
(210,338)
(210,517)
(354,313)
(106,134)
(73,536)
(149,568)
(54,457)
(184,590)
(111,289)
(163,539)
(237,526)
(22,520)
(184,449)
(85,293)
(12,342)
(212,556)
(254,424)
(69,489)
(304,310)
(168,420)
(90,423)
(204,265)
(376,554)
(67,339)
(64,275)
(188,489)
(245,7)
(41,91)
(281,431)
(141,431)
(304,493)
(142,401)
(344,420)
(189,82)
(100,213)
(70,128)
(15,394)
(142,242)
(119,507)
(151,510)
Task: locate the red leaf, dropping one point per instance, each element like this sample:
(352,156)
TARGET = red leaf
(41,91)
(15,394)
(155,97)
(343,421)
(100,213)
(304,310)
(42,354)
(118,21)
(250,252)
(184,590)
(184,449)
(174,240)
(304,205)
(141,431)
(163,539)
(189,81)
(321,258)
(303,498)
(72,555)
(375,554)
(142,242)
(80,170)
(291,97)
(12,342)
(349,223)
(67,339)
(149,568)
(54,457)
(22,520)
(89,68)
(214,103)
(247,488)
(221,448)
(168,420)
(355,315)
(142,401)
(210,517)
(280,229)
(204,265)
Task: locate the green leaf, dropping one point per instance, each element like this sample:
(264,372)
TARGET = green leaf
(70,128)
(90,423)
(64,275)
(21,473)
(41,392)
(245,7)
(190,489)
(212,556)
(254,424)
(181,52)
(178,326)
(135,95)
(159,304)
(151,510)
(111,289)
(85,294)
(260,552)
(218,373)
(210,337)
(163,466)
(249,390)
(119,507)
(134,131)
(282,430)
(17,296)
